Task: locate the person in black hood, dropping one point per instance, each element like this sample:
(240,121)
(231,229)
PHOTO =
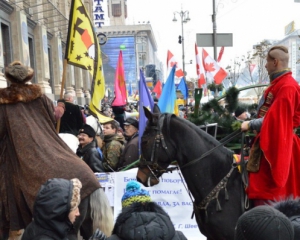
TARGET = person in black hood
(55,210)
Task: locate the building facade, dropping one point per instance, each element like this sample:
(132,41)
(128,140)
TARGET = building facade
(35,32)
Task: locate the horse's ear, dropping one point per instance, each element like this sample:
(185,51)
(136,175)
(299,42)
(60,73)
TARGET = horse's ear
(148,114)
(156,109)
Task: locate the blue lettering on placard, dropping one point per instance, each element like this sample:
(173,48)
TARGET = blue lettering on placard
(186,203)
(190,226)
(126,179)
(164,204)
(172,180)
(99,16)
(167,191)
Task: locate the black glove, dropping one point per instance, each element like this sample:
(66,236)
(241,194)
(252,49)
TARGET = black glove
(98,235)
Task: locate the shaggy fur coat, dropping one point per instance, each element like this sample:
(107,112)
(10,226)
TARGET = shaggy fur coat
(31,152)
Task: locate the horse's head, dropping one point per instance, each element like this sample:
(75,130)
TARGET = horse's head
(156,155)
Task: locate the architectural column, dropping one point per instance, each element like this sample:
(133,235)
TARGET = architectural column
(42,58)
(78,85)
(20,43)
(3,83)
(70,82)
(57,64)
(86,85)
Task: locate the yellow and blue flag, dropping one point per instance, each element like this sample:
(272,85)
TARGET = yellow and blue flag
(168,97)
(183,88)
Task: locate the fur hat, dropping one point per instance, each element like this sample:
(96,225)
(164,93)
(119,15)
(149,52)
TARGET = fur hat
(262,223)
(88,130)
(133,122)
(16,72)
(75,201)
(239,111)
(134,193)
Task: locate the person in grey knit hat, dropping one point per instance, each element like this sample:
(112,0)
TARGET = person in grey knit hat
(264,223)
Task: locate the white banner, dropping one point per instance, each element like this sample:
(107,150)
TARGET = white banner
(170,194)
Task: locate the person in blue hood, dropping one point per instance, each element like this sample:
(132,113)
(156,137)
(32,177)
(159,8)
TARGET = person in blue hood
(55,210)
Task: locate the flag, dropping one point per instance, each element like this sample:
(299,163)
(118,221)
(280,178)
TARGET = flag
(145,101)
(171,61)
(83,50)
(212,68)
(199,68)
(183,88)
(157,89)
(167,99)
(120,86)
(220,54)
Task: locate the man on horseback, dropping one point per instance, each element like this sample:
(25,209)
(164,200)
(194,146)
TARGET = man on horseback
(273,167)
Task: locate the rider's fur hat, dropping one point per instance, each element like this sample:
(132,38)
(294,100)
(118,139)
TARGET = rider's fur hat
(75,201)
(88,130)
(263,223)
(134,193)
(16,72)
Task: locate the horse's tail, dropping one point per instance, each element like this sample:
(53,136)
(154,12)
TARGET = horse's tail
(101,212)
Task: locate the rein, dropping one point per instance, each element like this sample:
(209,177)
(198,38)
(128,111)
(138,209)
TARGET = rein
(154,167)
(222,143)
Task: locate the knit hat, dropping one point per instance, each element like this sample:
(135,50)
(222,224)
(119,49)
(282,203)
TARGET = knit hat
(264,223)
(16,72)
(133,122)
(75,201)
(239,111)
(88,130)
(134,193)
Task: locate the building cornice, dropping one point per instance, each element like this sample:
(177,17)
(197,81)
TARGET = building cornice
(5,7)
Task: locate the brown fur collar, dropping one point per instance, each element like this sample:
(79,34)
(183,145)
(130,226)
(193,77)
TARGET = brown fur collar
(20,93)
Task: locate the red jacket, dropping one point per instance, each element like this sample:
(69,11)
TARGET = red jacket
(279,173)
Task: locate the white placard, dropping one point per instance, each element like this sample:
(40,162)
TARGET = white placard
(170,194)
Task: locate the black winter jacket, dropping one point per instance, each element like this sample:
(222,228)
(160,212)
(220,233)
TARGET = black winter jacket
(50,212)
(91,156)
(146,221)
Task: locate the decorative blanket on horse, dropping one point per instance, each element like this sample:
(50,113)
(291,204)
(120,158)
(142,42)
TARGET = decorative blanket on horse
(31,152)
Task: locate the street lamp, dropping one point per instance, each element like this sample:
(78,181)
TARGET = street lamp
(184,16)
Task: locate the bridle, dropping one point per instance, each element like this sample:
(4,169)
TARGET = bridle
(155,170)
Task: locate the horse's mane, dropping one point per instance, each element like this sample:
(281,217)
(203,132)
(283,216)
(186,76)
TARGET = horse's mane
(207,137)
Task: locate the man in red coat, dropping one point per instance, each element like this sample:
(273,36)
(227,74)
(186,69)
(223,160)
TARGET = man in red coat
(274,167)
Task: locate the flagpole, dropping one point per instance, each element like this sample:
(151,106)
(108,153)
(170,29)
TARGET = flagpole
(63,80)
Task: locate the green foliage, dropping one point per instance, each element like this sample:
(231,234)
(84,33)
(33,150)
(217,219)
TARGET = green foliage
(232,99)
(212,112)
(213,87)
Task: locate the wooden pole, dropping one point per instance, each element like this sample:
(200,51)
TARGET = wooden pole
(64,76)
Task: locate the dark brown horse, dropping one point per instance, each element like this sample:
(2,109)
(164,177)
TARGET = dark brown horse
(214,181)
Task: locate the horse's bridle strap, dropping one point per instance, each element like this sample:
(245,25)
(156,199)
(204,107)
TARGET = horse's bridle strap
(222,143)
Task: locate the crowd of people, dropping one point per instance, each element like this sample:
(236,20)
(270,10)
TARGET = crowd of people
(273,167)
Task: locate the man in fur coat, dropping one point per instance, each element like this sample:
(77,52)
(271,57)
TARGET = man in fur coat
(31,152)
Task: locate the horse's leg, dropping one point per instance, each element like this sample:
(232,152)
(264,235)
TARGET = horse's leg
(83,208)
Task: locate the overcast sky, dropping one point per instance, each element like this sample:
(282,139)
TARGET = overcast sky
(250,21)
